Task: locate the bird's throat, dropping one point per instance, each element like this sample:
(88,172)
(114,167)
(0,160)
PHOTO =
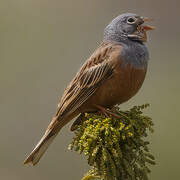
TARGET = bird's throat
(135,53)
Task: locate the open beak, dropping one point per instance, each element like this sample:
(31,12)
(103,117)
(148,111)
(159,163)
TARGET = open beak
(140,34)
(147,27)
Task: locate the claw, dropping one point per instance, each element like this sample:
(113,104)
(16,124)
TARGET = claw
(106,112)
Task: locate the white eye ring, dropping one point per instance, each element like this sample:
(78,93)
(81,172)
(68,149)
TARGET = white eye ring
(131,20)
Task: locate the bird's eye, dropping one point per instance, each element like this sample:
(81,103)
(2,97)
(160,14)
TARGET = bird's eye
(131,20)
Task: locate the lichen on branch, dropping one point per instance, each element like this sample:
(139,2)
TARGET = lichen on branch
(116,148)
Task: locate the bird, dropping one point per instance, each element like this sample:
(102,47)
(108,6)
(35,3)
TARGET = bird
(112,75)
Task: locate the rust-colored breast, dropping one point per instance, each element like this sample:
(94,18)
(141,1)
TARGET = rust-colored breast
(124,84)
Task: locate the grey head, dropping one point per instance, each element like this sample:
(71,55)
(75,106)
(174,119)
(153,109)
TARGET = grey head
(126,27)
(128,30)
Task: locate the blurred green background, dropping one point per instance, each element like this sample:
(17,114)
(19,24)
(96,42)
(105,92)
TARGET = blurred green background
(43,43)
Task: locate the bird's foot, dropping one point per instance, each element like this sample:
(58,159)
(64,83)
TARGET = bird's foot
(106,112)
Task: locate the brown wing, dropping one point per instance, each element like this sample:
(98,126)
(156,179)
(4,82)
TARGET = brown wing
(96,70)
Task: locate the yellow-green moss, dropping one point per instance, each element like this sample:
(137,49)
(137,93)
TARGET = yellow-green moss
(116,148)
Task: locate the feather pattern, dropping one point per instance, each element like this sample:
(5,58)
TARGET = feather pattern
(112,75)
(97,69)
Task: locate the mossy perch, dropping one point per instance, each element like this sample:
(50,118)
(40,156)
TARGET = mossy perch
(116,147)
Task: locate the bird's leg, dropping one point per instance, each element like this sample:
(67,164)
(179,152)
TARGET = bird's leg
(105,111)
(102,111)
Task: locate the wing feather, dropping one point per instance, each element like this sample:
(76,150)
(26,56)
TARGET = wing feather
(94,72)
